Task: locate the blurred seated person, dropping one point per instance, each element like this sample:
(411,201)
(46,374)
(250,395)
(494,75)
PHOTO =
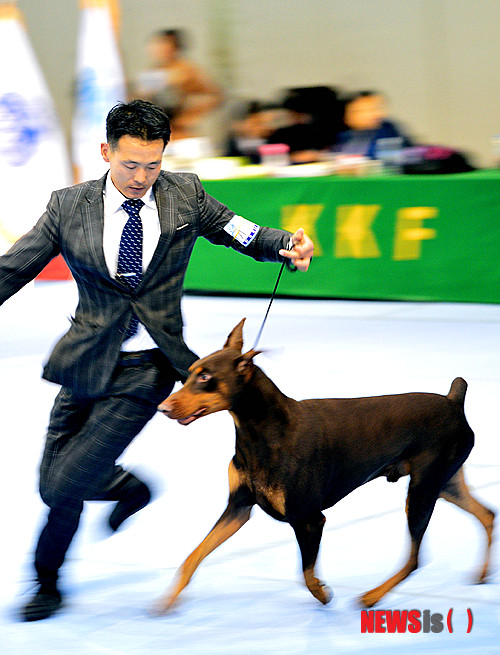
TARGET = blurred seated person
(315,120)
(177,85)
(365,117)
(251,129)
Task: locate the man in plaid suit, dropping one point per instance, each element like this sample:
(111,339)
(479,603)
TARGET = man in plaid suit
(111,382)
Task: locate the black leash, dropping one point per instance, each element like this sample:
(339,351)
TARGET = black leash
(273,295)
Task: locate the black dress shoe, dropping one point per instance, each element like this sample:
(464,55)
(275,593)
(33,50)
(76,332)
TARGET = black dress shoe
(132,495)
(45,603)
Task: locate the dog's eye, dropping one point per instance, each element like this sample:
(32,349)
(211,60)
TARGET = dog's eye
(204,377)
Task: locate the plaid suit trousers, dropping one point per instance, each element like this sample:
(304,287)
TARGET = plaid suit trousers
(85,437)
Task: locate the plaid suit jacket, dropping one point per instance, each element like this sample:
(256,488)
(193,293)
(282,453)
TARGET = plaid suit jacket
(85,357)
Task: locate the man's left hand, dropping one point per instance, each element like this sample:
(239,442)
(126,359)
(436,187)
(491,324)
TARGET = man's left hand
(301,252)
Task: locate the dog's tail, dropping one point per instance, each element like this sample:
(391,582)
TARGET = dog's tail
(457,390)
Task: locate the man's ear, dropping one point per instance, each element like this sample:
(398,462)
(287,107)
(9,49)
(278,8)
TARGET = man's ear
(105,152)
(235,339)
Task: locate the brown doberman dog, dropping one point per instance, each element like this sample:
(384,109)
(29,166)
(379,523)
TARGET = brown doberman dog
(297,458)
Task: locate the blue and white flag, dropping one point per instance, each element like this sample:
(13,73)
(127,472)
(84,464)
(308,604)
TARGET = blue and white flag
(100,84)
(33,154)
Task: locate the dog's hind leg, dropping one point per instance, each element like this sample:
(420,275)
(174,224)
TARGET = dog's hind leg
(308,533)
(456,491)
(422,496)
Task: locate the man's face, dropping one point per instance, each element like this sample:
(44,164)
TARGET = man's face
(365,113)
(134,165)
(162,50)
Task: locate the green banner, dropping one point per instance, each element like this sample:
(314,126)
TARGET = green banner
(434,237)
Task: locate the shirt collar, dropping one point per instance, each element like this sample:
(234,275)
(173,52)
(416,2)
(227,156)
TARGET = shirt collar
(115,199)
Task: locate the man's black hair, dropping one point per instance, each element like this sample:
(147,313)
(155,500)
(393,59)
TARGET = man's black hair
(176,35)
(365,93)
(140,119)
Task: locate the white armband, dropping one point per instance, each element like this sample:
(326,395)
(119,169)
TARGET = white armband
(241,230)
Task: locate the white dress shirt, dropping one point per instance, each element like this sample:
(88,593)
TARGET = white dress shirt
(115,218)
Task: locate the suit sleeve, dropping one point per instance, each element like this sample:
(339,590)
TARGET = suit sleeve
(30,254)
(222,226)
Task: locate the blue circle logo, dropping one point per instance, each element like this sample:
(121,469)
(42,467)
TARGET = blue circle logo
(19,130)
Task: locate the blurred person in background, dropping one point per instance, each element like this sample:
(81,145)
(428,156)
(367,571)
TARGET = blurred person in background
(181,88)
(366,122)
(251,128)
(124,349)
(314,122)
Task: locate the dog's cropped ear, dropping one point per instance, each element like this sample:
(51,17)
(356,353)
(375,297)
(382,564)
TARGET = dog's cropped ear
(235,339)
(245,362)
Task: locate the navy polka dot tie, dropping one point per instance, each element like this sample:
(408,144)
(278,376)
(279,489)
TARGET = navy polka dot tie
(129,269)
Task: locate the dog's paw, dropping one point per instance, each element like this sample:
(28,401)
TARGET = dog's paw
(370,599)
(162,606)
(327,594)
(321,592)
(318,589)
(482,578)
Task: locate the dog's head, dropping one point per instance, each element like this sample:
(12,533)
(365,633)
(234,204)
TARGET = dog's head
(214,382)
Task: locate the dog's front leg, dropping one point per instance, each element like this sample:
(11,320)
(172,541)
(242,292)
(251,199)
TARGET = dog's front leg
(229,523)
(308,533)
(236,514)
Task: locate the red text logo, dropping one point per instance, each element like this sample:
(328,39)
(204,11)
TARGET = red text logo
(401,621)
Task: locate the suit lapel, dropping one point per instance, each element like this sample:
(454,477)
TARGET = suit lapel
(167,211)
(93,223)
